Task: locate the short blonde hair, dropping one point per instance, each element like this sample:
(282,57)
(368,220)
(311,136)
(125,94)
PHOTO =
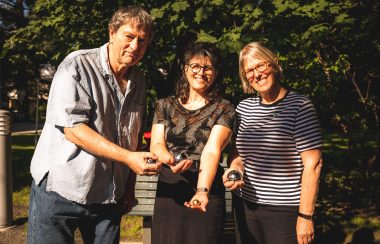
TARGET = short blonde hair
(256,50)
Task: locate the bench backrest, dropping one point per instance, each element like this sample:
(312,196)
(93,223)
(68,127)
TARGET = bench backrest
(145,191)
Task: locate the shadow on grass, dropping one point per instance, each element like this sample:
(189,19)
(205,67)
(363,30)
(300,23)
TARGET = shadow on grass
(348,199)
(334,235)
(363,236)
(20,221)
(22,152)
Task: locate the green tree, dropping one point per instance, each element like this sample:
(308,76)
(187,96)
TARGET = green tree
(329,49)
(55,28)
(13,15)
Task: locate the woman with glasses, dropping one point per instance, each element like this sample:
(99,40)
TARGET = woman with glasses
(279,143)
(189,132)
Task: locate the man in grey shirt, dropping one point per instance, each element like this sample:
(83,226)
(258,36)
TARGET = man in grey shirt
(85,162)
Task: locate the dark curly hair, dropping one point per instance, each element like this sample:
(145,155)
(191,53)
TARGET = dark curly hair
(201,49)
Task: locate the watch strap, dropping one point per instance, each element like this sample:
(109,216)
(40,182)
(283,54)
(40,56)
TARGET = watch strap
(202,189)
(305,216)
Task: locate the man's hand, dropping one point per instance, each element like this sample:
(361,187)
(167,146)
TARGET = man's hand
(94,143)
(305,230)
(138,162)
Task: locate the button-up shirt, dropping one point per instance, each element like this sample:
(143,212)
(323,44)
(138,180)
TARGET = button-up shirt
(85,91)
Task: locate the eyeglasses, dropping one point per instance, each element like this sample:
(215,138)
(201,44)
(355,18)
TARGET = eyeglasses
(207,69)
(260,67)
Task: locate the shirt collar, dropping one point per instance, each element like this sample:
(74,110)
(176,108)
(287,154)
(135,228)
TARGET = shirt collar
(104,60)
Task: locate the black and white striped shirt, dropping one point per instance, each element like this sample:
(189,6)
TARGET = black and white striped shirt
(270,139)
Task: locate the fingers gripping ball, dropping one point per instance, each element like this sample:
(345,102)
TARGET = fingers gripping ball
(151,161)
(196,202)
(234,175)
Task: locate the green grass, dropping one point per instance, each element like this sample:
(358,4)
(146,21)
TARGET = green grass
(131,228)
(348,196)
(22,151)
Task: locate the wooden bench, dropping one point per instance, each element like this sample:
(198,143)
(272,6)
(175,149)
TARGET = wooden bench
(145,191)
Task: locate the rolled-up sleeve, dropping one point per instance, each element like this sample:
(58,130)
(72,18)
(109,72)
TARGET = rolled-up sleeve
(69,99)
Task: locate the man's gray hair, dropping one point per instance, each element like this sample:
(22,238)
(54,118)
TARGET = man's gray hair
(133,15)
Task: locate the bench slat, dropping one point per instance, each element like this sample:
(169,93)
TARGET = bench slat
(146,186)
(146,192)
(147,210)
(147,201)
(146,178)
(152,194)
(142,210)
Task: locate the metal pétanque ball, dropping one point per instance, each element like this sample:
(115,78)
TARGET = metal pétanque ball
(234,175)
(196,202)
(151,161)
(179,157)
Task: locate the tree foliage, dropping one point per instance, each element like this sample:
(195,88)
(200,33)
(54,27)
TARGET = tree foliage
(13,16)
(329,49)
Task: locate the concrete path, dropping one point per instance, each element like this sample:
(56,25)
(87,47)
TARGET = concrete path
(25,128)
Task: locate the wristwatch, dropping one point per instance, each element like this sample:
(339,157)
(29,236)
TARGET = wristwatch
(201,189)
(305,216)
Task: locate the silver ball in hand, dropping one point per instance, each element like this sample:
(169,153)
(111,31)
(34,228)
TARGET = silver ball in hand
(234,175)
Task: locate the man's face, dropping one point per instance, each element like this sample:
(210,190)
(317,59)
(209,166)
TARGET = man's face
(128,45)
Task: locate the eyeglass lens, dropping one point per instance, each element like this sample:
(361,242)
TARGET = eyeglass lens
(260,67)
(197,68)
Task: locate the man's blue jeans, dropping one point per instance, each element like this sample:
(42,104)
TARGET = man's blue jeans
(54,219)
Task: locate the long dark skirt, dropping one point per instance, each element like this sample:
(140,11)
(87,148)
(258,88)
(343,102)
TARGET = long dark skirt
(173,223)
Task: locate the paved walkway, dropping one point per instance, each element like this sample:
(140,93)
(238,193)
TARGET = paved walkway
(20,128)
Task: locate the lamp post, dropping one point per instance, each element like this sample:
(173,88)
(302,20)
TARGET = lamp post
(1,85)
(6,213)
(47,72)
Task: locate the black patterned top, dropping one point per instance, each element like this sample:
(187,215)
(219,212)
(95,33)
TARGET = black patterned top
(188,131)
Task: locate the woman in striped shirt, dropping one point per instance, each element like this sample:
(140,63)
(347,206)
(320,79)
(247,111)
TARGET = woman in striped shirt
(278,147)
